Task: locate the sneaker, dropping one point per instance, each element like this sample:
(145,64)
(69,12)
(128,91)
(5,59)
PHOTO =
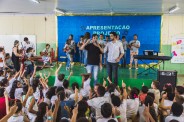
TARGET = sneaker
(130,68)
(51,65)
(67,68)
(136,68)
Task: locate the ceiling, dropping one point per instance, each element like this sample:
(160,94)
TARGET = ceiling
(90,6)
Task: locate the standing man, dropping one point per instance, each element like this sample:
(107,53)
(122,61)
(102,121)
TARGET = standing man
(93,57)
(125,44)
(134,46)
(115,53)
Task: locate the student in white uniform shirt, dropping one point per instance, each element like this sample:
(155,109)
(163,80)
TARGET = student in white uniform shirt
(179,90)
(67,90)
(8,61)
(16,90)
(1,75)
(2,58)
(12,76)
(74,86)
(180,99)
(134,46)
(148,101)
(98,101)
(85,90)
(54,98)
(166,103)
(28,44)
(155,89)
(121,103)
(59,77)
(17,117)
(107,110)
(177,110)
(132,104)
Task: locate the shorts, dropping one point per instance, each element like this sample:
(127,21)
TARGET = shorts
(45,59)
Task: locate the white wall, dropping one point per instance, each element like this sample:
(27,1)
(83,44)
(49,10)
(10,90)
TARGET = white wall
(45,31)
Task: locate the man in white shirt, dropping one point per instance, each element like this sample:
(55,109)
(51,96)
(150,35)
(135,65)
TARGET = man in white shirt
(115,53)
(134,46)
(28,44)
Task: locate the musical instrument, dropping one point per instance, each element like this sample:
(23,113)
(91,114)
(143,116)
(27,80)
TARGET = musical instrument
(23,52)
(161,59)
(130,45)
(43,53)
(153,57)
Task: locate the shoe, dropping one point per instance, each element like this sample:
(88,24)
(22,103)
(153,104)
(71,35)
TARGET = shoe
(136,68)
(67,68)
(51,65)
(130,68)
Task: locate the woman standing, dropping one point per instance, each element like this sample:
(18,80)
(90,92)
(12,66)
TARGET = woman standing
(16,55)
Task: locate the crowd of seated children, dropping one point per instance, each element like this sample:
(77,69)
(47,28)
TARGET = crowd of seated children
(31,99)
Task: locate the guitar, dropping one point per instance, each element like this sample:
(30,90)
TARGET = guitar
(130,45)
(44,53)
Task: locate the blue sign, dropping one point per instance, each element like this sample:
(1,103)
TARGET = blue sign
(146,27)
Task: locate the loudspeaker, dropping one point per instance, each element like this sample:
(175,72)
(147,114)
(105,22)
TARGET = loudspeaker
(165,77)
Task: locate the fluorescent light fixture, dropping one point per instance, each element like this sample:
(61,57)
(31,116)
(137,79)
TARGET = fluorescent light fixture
(60,11)
(35,1)
(173,9)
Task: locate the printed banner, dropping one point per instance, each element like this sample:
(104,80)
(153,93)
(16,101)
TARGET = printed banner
(177,50)
(146,27)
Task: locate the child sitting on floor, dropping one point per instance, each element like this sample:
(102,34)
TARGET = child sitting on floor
(45,56)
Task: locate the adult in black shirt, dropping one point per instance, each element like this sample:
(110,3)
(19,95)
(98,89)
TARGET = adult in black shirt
(93,58)
(16,55)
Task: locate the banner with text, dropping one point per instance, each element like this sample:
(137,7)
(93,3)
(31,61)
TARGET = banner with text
(147,28)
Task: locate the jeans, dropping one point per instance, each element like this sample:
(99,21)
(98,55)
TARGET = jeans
(85,54)
(104,58)
(68,60)
(94,70)
(81,56)
(113,68)
(29,69)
